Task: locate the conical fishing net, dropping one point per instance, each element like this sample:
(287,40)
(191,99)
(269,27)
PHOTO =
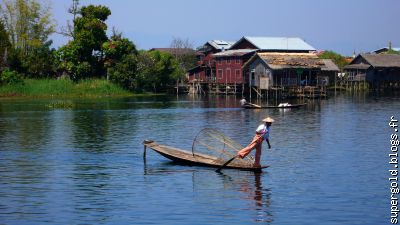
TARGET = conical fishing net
(213,144)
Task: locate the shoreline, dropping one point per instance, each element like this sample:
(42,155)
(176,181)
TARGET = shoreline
(62,88)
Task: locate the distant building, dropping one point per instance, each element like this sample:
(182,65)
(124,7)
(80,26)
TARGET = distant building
(205,69)
(374,68)
(274,44)
(229,65)
(260,63)
(287,69)
(385,50)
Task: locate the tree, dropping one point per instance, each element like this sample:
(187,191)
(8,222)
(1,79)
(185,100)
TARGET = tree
(28,24)
(157,70)
(338,59)
(82,57)
(69,30)
(121,61)
(4,45)
(183,52)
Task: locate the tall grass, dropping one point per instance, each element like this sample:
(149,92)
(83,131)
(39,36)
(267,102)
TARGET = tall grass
(63,88)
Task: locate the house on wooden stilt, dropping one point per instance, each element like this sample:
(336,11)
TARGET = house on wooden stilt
(380,71)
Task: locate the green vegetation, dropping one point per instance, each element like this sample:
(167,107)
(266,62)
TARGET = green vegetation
(65,104)
(338,59)
(104,64)
(62,88)
(391,51)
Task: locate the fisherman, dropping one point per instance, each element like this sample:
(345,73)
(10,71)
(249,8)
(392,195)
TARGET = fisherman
(243,102)
(262,133)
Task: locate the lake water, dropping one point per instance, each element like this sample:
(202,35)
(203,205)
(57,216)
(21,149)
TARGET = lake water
(84,164)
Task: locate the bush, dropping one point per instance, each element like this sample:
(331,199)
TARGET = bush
(123,73)
(8,77)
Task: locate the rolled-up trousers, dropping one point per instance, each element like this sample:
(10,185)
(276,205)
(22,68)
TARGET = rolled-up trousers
(256,143)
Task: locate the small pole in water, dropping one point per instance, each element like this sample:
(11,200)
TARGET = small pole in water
(144,152)
(145,142)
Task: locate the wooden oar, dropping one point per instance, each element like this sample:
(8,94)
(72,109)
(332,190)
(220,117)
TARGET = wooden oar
(225,164)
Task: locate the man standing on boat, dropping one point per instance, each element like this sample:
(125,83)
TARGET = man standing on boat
(243,102)
(262,133)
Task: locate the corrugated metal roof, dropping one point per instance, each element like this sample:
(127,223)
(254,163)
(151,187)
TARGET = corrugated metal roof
(236,52)
(221,44)
(280,43)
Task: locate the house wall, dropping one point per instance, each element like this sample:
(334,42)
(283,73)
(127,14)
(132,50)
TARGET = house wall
(198,75)
(386,74)
(229,70)
(258,69)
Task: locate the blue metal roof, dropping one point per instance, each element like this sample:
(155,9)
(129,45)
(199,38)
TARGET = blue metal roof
(280,43)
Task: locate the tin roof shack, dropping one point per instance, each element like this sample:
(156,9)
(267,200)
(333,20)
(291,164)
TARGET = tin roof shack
(277,69)
(376,69)
(229,65)
(274,44)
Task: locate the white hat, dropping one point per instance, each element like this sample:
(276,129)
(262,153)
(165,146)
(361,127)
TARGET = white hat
(268,120)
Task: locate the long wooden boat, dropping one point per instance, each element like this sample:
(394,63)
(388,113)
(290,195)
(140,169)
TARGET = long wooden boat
(274,107)
(188,158)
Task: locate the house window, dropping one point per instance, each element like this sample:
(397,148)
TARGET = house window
(228,61)
(219,61)
(237,73)
(237,60)
(220,74)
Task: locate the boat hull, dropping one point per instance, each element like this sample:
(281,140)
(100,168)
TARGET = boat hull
(188,158)
(273,107)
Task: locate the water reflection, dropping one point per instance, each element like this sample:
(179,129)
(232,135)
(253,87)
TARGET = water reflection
(259,198)
(237,196)
(91,129)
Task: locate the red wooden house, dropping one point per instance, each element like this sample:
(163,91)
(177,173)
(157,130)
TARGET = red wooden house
(205,69)
(229,64)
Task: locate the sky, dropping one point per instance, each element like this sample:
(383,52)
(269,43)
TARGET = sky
(343,26)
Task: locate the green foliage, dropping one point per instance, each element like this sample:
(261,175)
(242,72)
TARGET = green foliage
(24,30)
(82,57)
(123,72)
(29,24)
(41,62)
(4,44)
(8,77)
(63,88)
(121,61)
(391,51)
(157,70)
(116,48)
(338,59)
